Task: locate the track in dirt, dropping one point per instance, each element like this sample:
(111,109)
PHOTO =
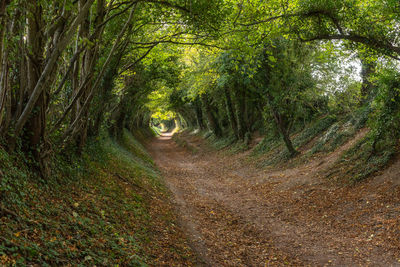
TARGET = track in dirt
(237,215)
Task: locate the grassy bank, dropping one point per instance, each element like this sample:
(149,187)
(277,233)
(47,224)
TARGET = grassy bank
(105,208)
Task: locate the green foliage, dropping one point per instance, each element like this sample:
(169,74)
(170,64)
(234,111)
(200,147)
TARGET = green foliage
(221,143)
(268,143)
(386,119)
(347,100)
(381,144)
(267,78)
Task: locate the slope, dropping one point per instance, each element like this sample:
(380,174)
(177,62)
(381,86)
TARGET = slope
(108,208)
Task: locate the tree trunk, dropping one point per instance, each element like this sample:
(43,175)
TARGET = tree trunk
(34,130)
(73,127)
(3,23)
(240,99)
(119,125)
(367,70)
(23,82)
(75,78)
(210,116)
(48,69)
(85,71)
(280,122)
(289,145)
(231,113)
(199,114)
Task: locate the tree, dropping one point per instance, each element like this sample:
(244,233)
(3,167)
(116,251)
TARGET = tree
(285,75)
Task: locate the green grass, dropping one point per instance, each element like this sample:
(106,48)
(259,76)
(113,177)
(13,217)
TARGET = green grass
(229,142)
(268,143)
(101,209)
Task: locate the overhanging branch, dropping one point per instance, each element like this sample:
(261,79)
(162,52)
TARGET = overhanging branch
(376,44)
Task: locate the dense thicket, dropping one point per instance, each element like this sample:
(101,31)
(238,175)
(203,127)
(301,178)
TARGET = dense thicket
(72,69)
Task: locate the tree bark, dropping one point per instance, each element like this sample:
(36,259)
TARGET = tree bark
(34,131)
(231,113)
(199,114)
(210,116)
(240,101)
(73,127)
(86,72)
(281,124)
(367,70)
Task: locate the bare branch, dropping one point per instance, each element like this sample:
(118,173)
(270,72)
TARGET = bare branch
(138,60)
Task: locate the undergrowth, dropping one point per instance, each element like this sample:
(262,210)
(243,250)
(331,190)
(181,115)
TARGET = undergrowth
(342,131)
(277,152)
(184,143)
(361,161)
(324,135)
(228,141)
(106,208)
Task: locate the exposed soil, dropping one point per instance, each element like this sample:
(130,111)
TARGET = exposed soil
(235,214)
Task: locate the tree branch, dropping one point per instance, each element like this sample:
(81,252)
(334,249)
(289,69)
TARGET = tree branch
(359,39)
(180,43)
(138,60)
(267,20)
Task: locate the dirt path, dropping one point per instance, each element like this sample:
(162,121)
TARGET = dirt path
(238,215)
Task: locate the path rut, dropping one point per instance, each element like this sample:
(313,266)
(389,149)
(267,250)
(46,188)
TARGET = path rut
(235,214)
